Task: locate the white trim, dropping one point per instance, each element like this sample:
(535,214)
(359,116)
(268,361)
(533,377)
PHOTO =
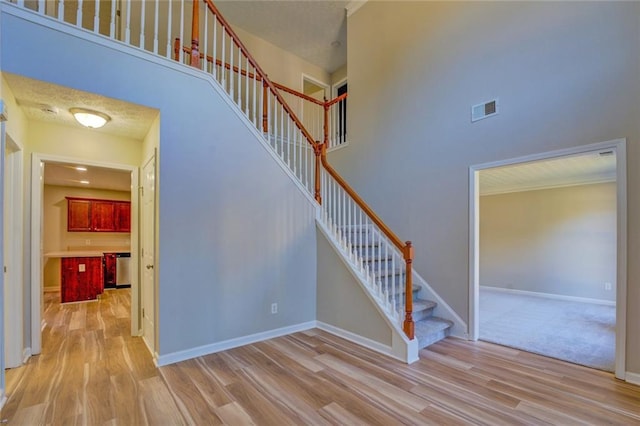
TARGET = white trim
(619,145)
(14,256)
(3,398)
(37,176)
(633,378)
(321,84)
(549,295)
(547,186)
(178,356)
(353,6)
(26,354)
(359,340)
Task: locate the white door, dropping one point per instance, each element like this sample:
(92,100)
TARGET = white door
(147,224)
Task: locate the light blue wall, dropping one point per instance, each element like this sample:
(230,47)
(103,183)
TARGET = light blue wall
(235,233)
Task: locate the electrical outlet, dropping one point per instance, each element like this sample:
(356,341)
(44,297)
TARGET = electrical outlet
(274,308)
(607,286)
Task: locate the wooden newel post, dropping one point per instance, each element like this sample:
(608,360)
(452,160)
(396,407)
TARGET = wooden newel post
(176,49)
(265,105)
(319,149)
(408,325)
(195,35)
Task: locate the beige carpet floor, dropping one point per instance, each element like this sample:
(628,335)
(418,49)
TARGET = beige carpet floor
(582,333)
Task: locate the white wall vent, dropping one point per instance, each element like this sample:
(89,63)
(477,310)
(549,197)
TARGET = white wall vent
(484,110)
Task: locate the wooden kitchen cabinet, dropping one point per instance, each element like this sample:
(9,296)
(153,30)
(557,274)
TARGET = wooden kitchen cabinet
(122,216)
(81,278)
(92,215)
(103,216)
(78,215)
(110,270)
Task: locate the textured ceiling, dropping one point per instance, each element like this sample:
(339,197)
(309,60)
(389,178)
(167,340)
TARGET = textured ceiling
(98,177)
(565,171)
(307,28)
(42,101)
(129,120)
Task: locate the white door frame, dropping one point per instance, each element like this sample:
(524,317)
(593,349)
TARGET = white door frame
(619,147)
(37,179)
(152,344)
(15,350)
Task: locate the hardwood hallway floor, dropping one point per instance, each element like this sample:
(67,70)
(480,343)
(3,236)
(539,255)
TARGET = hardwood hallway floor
(92,372)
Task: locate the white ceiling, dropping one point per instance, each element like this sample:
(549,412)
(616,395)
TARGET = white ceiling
(307,28)
(62,174)
(50,103)
(47,102)
(566,171)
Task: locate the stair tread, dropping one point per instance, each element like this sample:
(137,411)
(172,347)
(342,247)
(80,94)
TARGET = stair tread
(431,325)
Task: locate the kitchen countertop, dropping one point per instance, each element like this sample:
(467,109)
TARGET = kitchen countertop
(82,253)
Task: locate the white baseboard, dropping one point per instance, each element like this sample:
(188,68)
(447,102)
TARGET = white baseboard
(359,340)
(549,296)
(3,398)
(171,358)
(633,378)
(26,354)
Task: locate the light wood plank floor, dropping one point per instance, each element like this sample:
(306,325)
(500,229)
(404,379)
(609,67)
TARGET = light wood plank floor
(92,372)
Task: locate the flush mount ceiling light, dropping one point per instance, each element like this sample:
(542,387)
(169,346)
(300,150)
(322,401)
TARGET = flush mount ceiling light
(89,118)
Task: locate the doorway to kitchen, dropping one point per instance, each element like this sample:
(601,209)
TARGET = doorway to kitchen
(548,254)
(58,173)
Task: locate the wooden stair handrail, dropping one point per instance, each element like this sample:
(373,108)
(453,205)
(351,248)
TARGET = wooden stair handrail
(320,148)
(218,62)
(257,67)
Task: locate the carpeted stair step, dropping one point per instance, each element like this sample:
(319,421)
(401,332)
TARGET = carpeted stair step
(431,330)
(422,309)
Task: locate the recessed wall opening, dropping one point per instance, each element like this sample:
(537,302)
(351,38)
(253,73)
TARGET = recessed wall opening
(547,254)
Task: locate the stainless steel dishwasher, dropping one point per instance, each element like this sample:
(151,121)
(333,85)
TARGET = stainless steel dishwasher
(123,270)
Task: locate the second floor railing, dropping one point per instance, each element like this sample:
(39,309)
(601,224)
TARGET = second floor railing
(158,26)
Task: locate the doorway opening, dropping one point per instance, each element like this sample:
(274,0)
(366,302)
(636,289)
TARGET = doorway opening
(548,254)
(52,182)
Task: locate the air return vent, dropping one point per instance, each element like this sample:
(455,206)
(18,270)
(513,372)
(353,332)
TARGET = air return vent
(484,110)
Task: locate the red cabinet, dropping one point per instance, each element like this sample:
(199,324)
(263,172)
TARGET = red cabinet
(102,216)
(110,270)
(122,216)
(78,215)
(81,278)
(91,215)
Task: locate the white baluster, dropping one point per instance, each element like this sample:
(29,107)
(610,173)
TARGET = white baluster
(223,68)
(231,73)
(205,64)
(180,51)
(246,87)
(239,78)
(96,17)
(255,97)
(395,288)
(169,36)
(61,10)
(112,20)
(127,31)
(41,7)
(214,48)
(79,14)
(155,28)
(142,22)
(20,3)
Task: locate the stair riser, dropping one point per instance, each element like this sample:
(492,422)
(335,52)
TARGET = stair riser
(423,314)
(432,338)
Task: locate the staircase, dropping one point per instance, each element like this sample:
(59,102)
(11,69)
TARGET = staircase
(378,258)
(429,329)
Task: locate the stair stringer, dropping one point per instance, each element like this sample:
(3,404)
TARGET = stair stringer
(401,347)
